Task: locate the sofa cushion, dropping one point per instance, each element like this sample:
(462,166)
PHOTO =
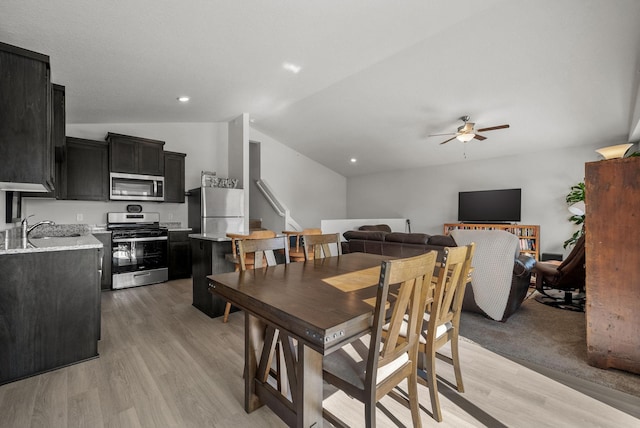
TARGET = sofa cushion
(442,240)
(370,235)
(378,227)
(407,238)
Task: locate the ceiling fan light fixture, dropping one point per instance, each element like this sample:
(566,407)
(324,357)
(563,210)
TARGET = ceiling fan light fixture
(465,137)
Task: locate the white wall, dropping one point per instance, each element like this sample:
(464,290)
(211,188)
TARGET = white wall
(204,143)
(311,191)
(429,196)
(238,162)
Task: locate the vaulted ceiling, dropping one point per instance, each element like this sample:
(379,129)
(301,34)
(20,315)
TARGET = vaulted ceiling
(377,76)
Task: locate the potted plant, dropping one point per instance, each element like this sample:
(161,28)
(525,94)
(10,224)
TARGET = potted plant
(575,200)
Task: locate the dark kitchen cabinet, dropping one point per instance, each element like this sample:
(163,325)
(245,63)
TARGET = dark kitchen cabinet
(174,177)
(59,143)
(26,149)
(50,310)
(179,254)
(87,170)
(135,155)
(105,239)
(207,258)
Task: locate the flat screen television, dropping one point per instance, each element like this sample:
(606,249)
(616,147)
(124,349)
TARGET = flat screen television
(489,206)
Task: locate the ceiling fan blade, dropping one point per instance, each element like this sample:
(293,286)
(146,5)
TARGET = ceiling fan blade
(436,135)
(479,137)
(452,138)
(492,128)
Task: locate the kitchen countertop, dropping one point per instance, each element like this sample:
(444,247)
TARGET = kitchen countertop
(44,244)
(207,237)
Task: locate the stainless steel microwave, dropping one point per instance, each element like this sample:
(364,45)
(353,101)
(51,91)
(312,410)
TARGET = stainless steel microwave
(135,187)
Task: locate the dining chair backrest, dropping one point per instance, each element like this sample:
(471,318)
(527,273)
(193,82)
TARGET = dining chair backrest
(392,358)
(319,246)
(449,289)
(413,276)
(256,234)
(442,318)
(263,250)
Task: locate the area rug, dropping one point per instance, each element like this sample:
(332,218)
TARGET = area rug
(546,336)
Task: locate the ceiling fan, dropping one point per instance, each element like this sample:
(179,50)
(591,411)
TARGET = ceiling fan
(466,132)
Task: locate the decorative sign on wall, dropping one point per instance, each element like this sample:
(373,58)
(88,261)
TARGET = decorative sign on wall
(209,179)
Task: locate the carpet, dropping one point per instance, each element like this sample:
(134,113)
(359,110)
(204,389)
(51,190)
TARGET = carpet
(548,337)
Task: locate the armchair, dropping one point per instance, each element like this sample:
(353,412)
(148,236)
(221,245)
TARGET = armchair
(500,279)
(567,277)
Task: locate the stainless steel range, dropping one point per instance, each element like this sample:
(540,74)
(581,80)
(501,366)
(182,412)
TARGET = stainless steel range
(138,249)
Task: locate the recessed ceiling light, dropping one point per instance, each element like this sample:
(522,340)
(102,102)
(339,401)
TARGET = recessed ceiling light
(353,160)
(183,99)
(291,67)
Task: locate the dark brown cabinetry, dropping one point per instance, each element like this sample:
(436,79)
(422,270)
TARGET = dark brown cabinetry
(87,170)
(174,177)
(612,197)
(135,155)
(26,150)
(105,239)
(179,254)
(50,310)
(58,137)
(208,257)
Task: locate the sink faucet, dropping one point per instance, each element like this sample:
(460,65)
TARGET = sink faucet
(26,229)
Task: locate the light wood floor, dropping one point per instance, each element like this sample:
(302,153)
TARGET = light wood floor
(165,364)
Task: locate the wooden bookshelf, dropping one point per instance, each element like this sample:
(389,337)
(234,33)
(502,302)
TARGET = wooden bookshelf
(529,235)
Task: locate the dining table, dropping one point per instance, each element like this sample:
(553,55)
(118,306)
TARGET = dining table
(309,309)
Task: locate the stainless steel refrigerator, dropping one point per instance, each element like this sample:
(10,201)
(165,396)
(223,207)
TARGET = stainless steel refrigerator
(216,210)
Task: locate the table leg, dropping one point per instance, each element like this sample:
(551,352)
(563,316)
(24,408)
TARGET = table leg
(309,401)
(253,344)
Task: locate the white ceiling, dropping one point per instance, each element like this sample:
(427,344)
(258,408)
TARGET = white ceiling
(377,76)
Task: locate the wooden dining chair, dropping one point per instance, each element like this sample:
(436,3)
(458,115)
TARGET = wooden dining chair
(319,246)
(441,320)
(368,373)
(297,253)
(264,252)
(234,257)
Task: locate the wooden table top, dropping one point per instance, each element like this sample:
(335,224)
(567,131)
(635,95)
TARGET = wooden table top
(323,303)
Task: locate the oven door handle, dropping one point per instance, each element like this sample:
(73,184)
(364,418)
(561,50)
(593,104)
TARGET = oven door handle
(155,238)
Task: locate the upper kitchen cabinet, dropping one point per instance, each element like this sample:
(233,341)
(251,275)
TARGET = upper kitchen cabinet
(135,155)
(174,177)
(58,136)
(87,170)
(26,146)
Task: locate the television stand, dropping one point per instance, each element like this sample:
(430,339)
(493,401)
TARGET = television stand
(529,235)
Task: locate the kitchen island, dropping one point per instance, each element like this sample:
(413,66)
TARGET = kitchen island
(208,257)
(49,303)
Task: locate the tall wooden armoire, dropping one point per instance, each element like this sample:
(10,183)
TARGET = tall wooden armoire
(613,263)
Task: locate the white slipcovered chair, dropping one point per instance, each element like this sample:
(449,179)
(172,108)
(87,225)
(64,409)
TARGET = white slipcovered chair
(500,277)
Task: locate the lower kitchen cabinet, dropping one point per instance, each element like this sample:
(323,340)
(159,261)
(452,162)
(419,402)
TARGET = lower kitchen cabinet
(50,311)
(208,257)
(179,254)
(87,169)
(106,279)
